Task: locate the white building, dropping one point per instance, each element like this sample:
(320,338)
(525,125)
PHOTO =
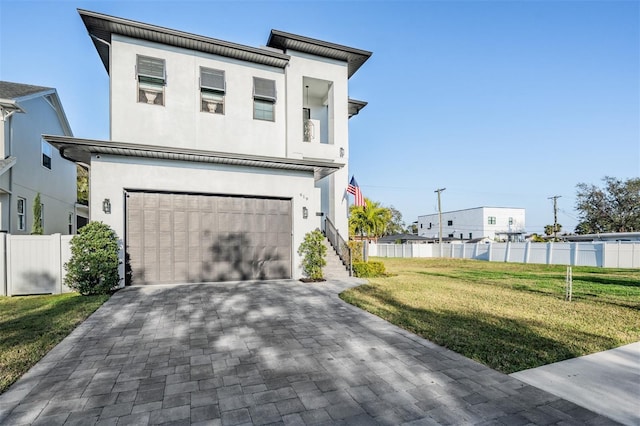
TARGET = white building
(29,165)
(496,223)
(222,156)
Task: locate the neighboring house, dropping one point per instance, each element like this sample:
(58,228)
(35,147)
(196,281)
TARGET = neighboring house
(29,165)
(496,223)
(605,236)
(222,156)
(403,239)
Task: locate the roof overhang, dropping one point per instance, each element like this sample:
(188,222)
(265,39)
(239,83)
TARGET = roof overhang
(10,106)
(7,164)
(285,41)
(355,106)
(81,151)
(102,27)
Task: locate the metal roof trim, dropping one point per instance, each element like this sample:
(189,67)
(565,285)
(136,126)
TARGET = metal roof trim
(80,150)
(100,25)
(354,57)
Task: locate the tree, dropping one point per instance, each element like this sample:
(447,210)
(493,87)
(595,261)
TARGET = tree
(36,229)
(93,267)
(396,224)
(548,229)
(613,208)
(83,185)
(370,220)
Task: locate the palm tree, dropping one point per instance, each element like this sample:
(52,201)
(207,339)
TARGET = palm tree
(370,220)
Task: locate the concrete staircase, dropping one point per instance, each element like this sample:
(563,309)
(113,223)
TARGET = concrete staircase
(334,270)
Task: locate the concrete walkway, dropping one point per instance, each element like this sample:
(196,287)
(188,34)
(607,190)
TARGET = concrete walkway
(264,353)
(607,382)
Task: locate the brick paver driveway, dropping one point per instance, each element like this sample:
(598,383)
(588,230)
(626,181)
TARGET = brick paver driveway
(270,352)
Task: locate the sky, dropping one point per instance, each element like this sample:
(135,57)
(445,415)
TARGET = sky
(503,103)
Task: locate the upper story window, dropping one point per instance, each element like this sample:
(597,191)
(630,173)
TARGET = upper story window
(212,90)
(491,220)
(264,99)
(22,215)
(151,80)
(46,154)
(449,223)
(510,221)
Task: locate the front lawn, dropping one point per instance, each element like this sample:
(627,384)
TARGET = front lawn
(508,316)
(30,326)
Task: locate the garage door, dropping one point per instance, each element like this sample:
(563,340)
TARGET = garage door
(177,238)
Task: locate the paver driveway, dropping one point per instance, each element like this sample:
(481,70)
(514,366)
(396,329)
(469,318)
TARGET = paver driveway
(261,353)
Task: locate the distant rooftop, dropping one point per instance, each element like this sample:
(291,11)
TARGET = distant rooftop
(10,90)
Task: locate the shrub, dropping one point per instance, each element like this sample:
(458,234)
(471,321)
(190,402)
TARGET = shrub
(369,269)
(313,254)
(93,267)
(356,251)
(36,229)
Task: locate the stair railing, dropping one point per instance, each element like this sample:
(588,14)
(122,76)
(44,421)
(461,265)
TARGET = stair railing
(338,243)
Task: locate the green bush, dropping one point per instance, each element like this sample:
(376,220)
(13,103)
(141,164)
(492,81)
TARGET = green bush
(313,254)
(37,229)
(93,267)
(356,251)
(369,269)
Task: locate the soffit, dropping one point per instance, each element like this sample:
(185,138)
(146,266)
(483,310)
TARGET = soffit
(101,28)
(81,150)
(285,41)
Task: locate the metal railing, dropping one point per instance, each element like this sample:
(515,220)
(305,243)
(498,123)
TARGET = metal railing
(338,243)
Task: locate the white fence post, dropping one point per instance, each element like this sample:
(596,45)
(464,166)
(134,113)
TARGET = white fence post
(3,264)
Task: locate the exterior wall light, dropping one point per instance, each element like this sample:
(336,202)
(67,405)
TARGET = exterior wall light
(106,206)
(305,212)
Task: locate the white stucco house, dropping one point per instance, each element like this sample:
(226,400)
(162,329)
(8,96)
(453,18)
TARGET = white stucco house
(29,165)
(221,156)
(496,223)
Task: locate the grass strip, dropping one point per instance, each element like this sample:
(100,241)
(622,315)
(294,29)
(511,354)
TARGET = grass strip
(30,326)
(508,316)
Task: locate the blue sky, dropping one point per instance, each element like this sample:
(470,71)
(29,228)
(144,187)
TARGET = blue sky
(504,103)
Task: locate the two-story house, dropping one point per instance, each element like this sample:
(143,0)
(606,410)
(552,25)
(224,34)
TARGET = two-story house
(496,223)
(29,165)
(222,156)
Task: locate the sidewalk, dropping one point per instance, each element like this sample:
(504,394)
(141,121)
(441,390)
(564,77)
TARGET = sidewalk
(607,383)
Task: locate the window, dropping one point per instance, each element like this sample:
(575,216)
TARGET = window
(461,236)
(492,220)
(510,221)
(264,99)
(151,80)
(46,155)
(450,235)
(420,226)
(212,90)
(22,217)
(449,223)
(470,236)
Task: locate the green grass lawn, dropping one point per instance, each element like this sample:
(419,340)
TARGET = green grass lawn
(31,326)
(508,316)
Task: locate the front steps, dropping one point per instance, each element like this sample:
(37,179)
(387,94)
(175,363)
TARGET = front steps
(334,270)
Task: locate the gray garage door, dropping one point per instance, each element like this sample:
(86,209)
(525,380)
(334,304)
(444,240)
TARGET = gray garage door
(177,238)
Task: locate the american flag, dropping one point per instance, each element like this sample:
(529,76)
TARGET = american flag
(354,189)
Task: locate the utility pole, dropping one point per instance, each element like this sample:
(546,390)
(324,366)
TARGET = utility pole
(440,219)
(555,215)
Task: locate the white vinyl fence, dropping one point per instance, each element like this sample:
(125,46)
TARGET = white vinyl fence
(600,254)
(33,264)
